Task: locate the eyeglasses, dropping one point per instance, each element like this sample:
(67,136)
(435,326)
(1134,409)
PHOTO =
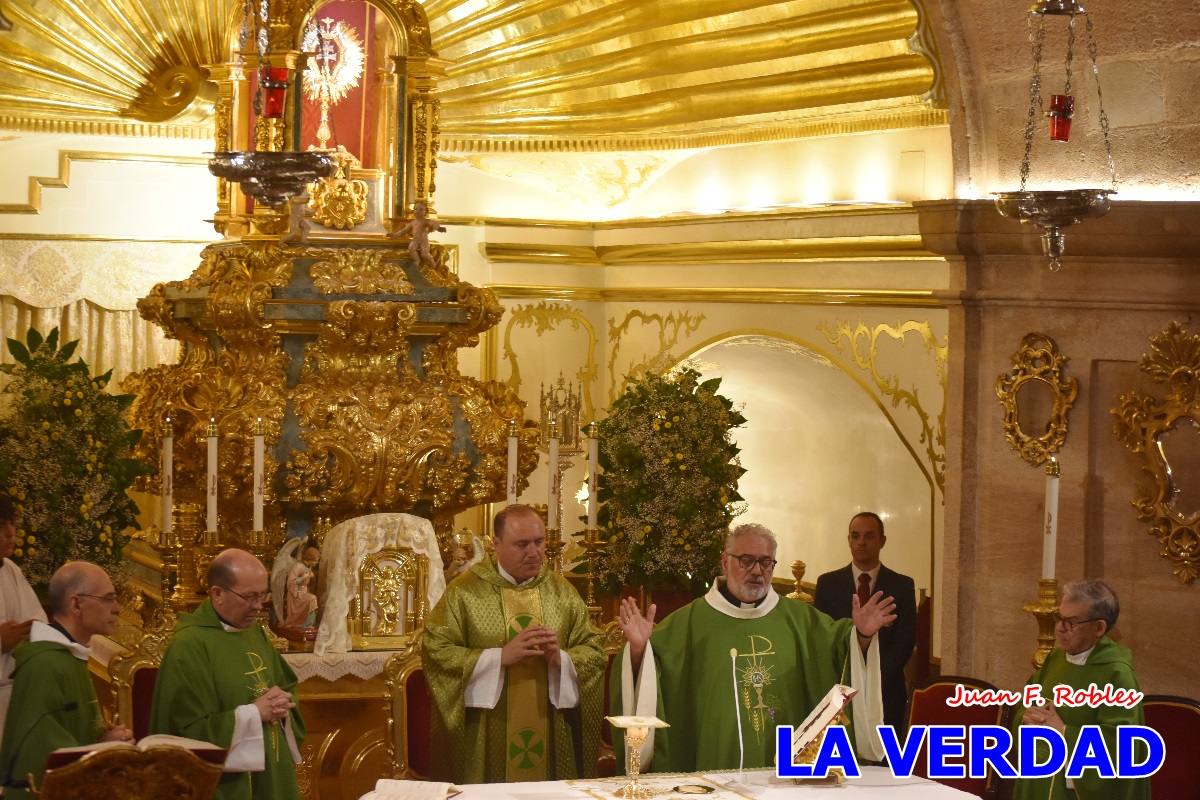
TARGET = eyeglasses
(1070,623)
(747,562)
(253,597)
(110,598)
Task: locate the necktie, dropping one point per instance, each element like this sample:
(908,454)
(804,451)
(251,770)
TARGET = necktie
(864,588)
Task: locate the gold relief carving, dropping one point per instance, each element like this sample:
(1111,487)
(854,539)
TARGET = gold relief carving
(543,318)
(171,91)
(670,328)
(269,134)
(863,344)
(344,270)
(586,177)
(1037,364)
(1165,434)
(339,201)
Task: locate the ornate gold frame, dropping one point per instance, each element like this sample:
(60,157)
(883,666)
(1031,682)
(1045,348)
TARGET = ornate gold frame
(1038,359)
(147,654)
(134,774)
(1174,360)
(389,565)
(398,669)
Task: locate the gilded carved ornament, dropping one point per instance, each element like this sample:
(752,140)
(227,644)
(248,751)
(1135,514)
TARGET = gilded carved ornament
(1164,432)
(670,328)
(1037,369)
(544,318)
(339,201)
(341,271)
(863,344)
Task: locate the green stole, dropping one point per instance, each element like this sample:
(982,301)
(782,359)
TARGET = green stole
(527,692)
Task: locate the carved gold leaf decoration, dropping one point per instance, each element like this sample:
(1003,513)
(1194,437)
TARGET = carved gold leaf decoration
(543,318)
(863,345)
(343,270)
(339,201)
(1142,424)
(670,328)
(1038,360)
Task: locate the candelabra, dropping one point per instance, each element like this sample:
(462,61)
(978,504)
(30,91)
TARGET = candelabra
(1045,609)
(592,544)
(560,407)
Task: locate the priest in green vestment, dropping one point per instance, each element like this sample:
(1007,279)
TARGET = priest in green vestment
(514,667)
(1084,656)
(221,681)
(54,704)
(743,659)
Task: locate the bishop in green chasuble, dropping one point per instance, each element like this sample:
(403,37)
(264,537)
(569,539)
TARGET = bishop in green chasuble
(492,723)
(211,670)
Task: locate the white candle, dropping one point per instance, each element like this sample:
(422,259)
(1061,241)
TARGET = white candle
(211,520)
(552,503)
(168,478)
(512,463)
(593,465)
(259,447)
(1050,532)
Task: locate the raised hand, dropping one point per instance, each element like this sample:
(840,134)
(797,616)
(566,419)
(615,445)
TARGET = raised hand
(878,612)
(637,627)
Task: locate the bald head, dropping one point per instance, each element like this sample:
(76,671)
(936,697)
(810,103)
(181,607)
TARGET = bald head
(237,584)
(82,600)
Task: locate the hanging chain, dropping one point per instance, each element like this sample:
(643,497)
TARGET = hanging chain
(1092,53)
(1070,52)
(1037,37)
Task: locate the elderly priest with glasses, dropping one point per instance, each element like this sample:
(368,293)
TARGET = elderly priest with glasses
(725,670)
(54,704)
(222,682)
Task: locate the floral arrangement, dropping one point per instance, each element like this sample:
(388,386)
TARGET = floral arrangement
(668,486)
(64,459)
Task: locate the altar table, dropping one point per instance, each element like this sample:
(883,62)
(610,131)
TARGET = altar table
(876,783)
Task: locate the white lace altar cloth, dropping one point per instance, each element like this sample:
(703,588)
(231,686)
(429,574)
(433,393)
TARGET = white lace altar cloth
(363,665)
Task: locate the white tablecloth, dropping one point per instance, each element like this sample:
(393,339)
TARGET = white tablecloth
(876,783)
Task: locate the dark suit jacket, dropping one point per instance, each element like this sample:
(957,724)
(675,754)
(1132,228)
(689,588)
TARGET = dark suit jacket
(834,592)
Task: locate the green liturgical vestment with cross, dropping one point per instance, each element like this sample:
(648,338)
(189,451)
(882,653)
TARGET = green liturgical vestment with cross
(523,737)
(787,660)
(48,677)
(206,673)
(1108,664)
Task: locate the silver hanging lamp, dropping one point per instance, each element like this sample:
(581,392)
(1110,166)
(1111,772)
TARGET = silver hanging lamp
(1054,209)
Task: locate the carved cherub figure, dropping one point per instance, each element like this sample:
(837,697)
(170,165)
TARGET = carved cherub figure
(420,228)
(298,224)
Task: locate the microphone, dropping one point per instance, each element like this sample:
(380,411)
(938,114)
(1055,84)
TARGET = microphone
(70,705)
(737,710)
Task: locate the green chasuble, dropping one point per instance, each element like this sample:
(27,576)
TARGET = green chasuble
(788,657)
(514,740)
(206,673)
(48,676)
(1108,663)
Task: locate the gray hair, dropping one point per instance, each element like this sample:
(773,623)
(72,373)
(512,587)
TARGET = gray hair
(751,529)
(1100,597)
(71,579)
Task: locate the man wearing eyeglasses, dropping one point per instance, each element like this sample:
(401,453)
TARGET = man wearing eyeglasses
(863,576)
(222,682)
(1084,655)
(54,704)
(728,668)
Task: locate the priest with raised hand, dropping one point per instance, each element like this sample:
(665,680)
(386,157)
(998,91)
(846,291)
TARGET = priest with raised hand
(221,681)
(729,667)
(513,665)
(54,703)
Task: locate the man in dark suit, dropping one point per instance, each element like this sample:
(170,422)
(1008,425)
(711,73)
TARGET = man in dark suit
(864,576)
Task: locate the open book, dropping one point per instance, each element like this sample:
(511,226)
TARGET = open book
(204,750)
(389,789)
(807,732)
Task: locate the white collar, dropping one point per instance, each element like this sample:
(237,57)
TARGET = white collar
(41,632)
(1079,659)
(504,574)
(717,600)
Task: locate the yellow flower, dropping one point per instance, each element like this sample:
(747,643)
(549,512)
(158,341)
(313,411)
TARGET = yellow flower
(104,537)
(66,401)
(83,509)
(679,456)
(30,540)
(666,460)
(79,412)
(108,528)
(675,418)
(666,424)
(45,425)
(32,552)
(80,396)
(683,467)
(18,552)
(646,529)
(687,547)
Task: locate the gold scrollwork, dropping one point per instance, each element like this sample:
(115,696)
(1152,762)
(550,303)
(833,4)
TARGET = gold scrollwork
(859,337)
(670,328)
(339,201)
(543,318)
(1037,363)
(342,270)
(1149,426)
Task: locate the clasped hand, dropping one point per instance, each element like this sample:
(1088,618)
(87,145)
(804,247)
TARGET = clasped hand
(274,704)
(116,733)
(536,640)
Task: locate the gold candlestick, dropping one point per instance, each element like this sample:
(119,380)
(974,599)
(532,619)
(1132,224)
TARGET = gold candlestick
(1045,609)
(592,544)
